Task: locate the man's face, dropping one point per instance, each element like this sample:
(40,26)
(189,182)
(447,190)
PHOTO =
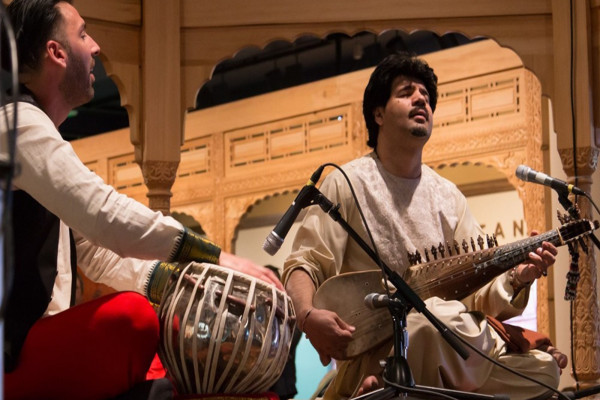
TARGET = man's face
(407,116)
(78,79)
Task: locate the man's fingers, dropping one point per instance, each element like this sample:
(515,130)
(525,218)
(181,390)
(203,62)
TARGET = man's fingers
(345,326)
(550,248)
(271,277)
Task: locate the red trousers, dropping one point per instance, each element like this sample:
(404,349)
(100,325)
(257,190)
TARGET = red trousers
(95,350)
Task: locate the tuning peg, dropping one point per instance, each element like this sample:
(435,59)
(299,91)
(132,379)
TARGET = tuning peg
(426,255)
(434,252)
(418,258)
(480,242)
(495,240)
(456,247)
(412,258)
(465,246)
(441,250)
(473,245)
(566,217)
(449,248)
(490,241)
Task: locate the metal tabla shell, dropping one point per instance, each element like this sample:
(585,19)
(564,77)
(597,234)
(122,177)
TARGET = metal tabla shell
(223,331)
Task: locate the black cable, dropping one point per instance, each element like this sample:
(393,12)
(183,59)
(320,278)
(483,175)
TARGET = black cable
(572,83)
(575,172)
(572,329)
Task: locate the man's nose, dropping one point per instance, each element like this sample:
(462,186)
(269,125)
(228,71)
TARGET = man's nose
(95,48)
(419,98)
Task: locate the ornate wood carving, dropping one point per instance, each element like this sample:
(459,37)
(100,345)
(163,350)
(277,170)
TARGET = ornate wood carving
(587,160)
(159,177)
(585,310)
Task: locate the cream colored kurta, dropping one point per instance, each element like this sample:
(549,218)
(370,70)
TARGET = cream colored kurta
(109,228)
(405,215)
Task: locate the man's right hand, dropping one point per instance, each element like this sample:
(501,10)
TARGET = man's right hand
(328,334)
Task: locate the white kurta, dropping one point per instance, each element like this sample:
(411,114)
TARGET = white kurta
(99,216)
(405,215)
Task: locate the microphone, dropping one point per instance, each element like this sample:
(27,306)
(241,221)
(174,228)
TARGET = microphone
(376,300)
(305,198)
(527,174)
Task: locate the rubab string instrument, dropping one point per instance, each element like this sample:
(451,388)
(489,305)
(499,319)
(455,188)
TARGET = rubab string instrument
(446,273)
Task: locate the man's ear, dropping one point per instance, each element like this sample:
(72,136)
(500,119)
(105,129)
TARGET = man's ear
(56,53)
(378,114)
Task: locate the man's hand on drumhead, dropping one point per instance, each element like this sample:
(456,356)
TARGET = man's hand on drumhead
(328,333)
(247,266)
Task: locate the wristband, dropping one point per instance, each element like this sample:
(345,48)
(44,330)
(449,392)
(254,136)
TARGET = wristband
(193,247)
(304,319)
(158,280)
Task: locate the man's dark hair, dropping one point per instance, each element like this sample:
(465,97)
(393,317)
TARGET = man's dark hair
(34,23)
(379,88)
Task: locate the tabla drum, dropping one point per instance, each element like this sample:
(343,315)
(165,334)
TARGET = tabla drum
(223,331)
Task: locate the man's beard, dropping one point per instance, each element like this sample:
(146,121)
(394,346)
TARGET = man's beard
(419,131)
(76,87)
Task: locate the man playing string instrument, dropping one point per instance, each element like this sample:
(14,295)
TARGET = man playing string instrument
(409,207)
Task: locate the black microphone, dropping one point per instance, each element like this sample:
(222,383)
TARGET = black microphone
(377,300)
(305,198)
(527,174)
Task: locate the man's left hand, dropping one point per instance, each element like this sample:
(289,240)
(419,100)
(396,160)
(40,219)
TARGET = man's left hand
(539,261)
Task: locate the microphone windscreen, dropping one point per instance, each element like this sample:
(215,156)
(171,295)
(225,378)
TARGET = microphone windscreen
(523,172)
(272,244)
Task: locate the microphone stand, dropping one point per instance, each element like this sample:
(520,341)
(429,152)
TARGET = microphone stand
(396,368)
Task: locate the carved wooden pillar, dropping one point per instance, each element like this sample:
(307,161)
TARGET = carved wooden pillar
(161,127)
(586,312)
(574,122)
